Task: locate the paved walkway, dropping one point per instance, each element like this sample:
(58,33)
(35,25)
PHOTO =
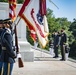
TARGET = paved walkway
(45,66)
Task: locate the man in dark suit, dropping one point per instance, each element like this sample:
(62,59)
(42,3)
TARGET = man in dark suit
(62,44)
(56,44)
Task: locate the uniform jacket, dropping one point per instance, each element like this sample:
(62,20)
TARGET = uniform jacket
(1,30)
(63,39)
(7,54)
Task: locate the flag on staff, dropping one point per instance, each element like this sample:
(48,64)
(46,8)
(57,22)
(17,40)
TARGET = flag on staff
(31,14)
(12,15)
(22,15)
(43,13)
(12,7)
(33,35)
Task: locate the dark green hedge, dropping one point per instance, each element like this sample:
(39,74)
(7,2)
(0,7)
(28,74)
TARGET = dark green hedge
(72,52)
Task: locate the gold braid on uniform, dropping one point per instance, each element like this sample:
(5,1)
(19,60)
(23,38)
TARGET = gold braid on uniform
(8,73)
(2,69)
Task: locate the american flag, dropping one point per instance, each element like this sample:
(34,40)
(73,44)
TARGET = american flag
(33,12)
(12,7)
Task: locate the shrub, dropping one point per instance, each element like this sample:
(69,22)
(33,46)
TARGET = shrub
(72,52)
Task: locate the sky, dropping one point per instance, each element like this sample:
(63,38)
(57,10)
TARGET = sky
(67,8)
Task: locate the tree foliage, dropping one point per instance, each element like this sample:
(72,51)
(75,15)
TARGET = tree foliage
(73,28)
(72,52)
(3,0)
(55,24)
(18,1)
(29,39)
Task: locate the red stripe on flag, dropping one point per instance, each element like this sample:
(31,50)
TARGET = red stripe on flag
(30,26)
(31,19)
(43,7)
(27,22)
(38,27)
(23,7)
(14,0)
(12,7)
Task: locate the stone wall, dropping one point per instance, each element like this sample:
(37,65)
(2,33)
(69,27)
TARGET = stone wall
(25,49)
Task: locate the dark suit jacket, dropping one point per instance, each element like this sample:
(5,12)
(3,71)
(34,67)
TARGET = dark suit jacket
(56,40)
(7,54)
(63,39)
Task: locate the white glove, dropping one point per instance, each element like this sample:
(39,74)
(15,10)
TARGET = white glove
(19,55)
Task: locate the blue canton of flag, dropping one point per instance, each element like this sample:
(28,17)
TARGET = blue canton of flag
(40,18)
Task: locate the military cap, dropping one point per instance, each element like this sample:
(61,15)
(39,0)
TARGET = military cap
(1,21)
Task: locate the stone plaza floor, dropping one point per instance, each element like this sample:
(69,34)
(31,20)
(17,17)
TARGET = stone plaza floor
(44,64)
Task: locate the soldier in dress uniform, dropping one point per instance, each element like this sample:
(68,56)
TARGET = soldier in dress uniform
(7,54)
(62,44)
(1,30)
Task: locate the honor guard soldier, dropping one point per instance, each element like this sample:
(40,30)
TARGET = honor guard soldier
(1,30)
(7,55)
(62,44)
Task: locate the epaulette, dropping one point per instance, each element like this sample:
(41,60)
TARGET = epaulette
(8,31)
(5,31)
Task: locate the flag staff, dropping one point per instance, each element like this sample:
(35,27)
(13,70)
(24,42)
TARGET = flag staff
(54,4)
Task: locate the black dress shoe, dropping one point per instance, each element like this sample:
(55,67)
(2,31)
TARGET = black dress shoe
(62,60)
(55,57)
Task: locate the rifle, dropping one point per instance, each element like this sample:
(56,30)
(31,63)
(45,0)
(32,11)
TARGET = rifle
(20,62)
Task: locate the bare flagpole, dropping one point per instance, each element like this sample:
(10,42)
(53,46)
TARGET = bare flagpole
(54,4)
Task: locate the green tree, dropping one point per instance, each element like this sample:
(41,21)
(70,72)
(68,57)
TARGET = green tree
(73,28)
(51,21)
(72,52)
(56,23)
(64,23)
(3,0)
(29,39)
(18,1)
